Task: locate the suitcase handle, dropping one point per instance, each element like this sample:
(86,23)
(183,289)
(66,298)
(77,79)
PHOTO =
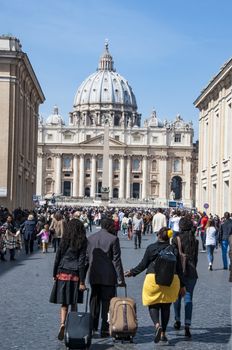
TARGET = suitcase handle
(87,299)
(124,286)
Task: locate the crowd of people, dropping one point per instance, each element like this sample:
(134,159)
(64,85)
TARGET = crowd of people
(79,255)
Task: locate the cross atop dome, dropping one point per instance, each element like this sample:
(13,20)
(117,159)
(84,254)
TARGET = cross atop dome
(106,61)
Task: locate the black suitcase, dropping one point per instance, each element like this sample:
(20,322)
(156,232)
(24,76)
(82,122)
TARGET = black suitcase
(78,329)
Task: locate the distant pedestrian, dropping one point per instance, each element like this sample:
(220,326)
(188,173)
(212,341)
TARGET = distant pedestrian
(203,223)
(57,229)
(137,224)
(224,236)
(69,270)
(44,235)
(159,220)
(210,241)
(29,233)
(10,237)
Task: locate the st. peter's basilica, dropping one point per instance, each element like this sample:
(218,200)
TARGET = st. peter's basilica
(152,163)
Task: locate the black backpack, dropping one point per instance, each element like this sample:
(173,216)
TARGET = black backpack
(165,266)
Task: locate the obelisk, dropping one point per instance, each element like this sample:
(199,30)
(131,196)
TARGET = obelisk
(105,171)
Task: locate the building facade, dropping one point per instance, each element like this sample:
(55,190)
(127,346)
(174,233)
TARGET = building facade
(215,148)
(20,97)
(150,163)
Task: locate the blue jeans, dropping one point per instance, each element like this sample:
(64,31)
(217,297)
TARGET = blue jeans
(225,245)
(210,250)
(189,285)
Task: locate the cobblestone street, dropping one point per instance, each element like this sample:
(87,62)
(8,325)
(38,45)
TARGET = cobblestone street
(29,322)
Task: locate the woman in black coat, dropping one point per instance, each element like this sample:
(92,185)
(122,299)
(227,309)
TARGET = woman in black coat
(69,270)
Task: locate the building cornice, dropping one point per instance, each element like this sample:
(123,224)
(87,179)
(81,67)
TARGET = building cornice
(215,81)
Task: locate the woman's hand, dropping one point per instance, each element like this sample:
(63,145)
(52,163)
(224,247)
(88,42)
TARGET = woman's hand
(127,273)
(82,287)
(182,291)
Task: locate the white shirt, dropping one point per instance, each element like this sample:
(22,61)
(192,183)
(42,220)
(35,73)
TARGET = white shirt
(210,236)
(174,223)
(159,221)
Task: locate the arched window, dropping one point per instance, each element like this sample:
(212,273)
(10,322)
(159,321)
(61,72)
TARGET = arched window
(176,187)
(177,165)
(116,165)
(87,192)
(154,165)
(87,164)
(99,163)
(49,163)
(136,164)
(115,193)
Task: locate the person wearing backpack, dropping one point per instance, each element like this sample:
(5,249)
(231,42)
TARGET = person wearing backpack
(188,248)
(159,297)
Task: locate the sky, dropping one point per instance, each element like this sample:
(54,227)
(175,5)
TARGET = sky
(168,50)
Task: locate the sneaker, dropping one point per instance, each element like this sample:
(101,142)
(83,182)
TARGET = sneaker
(187,332)
(164,340)
(158,332)
(177,325)
(203,251)
(61,332)
(210,267)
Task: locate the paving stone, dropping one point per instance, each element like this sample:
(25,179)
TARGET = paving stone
(29,322)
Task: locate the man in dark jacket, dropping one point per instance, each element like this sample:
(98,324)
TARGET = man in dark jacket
(105,272)
(29,232)
(225,233)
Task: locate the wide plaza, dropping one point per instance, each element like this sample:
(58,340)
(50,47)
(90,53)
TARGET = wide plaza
(29,322)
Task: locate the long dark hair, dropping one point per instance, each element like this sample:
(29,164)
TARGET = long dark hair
(74,236)
(188,241)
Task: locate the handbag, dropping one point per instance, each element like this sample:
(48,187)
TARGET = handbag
(183,256)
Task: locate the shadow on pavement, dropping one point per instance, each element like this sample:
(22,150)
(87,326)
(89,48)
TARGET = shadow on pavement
(20,257)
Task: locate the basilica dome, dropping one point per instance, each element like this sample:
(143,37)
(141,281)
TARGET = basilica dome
(55,118)
(105,86)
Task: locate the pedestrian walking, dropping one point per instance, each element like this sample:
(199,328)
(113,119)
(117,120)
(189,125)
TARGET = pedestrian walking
(69,271)
(10,239)
(157,297)
(29,233)
(159,220)
(44,235)
(188,251)
(105,272)
(224,236)
(210,242)
(137,224)
(57,229)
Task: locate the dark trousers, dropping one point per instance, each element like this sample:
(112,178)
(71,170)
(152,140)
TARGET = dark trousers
(29,244)
(12,254)
(100,300)
(163,309)
(55,243)
(137,238)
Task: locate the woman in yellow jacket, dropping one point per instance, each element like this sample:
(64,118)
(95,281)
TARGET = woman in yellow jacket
(159,298)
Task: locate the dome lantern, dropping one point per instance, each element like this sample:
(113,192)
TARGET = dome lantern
(106,61)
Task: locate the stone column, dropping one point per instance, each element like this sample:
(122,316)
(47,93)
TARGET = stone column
(58,174)
(39,189)
(75,176)
(93,177)
(82,176)
(163,177)
(187,168)
(111,176)
(128,177)
(145,180)
(122,177)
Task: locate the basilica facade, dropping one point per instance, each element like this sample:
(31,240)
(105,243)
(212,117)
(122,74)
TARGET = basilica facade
(152,163)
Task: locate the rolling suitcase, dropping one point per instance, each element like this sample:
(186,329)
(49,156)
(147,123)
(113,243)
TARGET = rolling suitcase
(122,318)
(78,329)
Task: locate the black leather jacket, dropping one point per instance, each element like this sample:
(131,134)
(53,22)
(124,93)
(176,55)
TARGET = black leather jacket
(70,262)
